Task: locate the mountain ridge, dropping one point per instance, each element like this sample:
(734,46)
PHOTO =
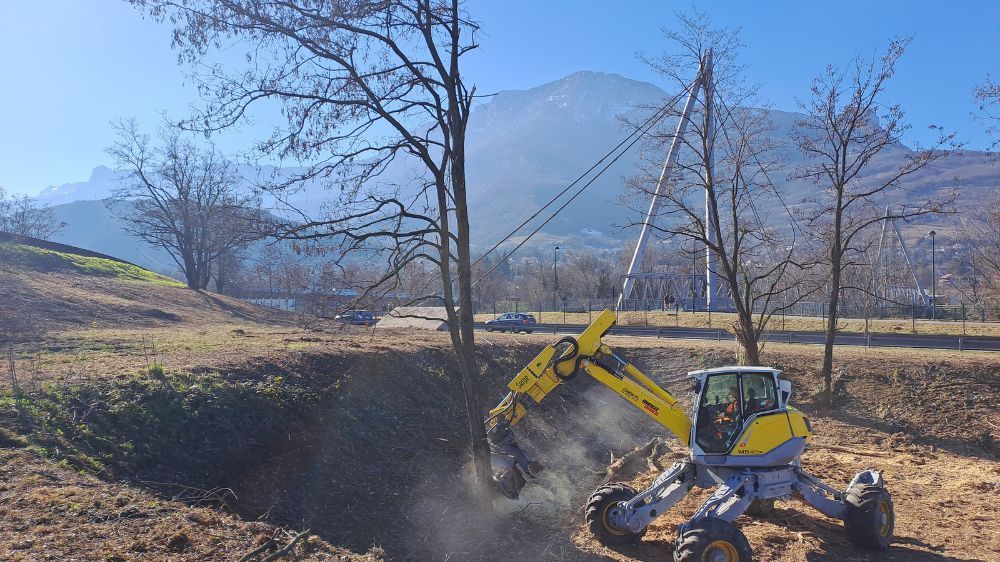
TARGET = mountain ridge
(524,146)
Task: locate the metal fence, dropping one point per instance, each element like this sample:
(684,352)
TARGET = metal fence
(572,310)
(281,304)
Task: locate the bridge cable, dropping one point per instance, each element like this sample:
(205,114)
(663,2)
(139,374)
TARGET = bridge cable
(643,128)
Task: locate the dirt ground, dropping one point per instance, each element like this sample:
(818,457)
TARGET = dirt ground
(49,512)
(372,460)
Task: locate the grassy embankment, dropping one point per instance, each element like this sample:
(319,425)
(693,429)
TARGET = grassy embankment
(47,261)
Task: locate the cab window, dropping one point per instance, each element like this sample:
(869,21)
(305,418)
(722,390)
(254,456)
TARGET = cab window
(720,413)
(758,393)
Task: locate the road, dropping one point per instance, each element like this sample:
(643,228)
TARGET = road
(918,341)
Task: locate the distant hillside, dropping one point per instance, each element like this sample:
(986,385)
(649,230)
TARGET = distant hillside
(43,289)
(89,224)
(524,146)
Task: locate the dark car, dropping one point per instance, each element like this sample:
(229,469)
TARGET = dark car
(357,318)
(512,322)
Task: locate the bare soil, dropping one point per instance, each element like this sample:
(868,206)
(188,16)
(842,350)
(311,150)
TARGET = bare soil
(49,512)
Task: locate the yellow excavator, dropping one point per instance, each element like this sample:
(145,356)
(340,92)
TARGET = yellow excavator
(745,440)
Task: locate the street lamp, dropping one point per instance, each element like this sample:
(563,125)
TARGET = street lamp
(933,279)
(555,276)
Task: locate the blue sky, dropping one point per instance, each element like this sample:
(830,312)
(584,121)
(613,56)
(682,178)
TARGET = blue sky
(70,67)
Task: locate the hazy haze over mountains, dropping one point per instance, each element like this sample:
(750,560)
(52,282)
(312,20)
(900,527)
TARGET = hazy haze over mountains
(523,147)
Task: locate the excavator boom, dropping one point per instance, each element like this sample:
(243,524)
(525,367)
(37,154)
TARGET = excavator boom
(564,360)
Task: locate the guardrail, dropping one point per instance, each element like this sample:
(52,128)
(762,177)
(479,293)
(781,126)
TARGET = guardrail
(917,341)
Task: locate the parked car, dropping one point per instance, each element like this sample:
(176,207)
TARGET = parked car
(357,318)
(512,322)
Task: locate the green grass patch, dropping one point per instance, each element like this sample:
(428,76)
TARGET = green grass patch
(158,423)
(41,259)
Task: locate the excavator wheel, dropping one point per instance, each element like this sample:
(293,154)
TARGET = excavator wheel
(870,516)
(710,539)
(599,507)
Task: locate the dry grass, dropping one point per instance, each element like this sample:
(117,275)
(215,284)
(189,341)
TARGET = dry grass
(38,303)
(74,355)
(790,323)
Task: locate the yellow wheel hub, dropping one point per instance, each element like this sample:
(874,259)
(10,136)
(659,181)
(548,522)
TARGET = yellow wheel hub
(607,520)
(720,551)
(883,510)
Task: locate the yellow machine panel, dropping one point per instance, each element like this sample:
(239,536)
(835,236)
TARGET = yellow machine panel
(799,423)
(763,435)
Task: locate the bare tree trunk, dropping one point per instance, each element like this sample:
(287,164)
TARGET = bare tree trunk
(221,270)
(826,402)
(748,350)
(836,262)
(467,351)
(191,275)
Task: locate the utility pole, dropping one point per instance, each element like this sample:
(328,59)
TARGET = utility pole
(933,280)
(555,277)
(694,276)
(709,223)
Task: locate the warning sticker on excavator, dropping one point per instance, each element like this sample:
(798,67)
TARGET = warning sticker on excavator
(651,408)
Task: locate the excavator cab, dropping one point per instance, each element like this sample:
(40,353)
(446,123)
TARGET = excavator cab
(742,418)
(727,401)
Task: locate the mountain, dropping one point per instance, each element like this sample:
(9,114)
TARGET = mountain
(102,181)
(523,147)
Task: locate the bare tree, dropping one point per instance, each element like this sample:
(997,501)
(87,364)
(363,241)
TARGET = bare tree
(365,85)
(987,95)
(715,192)
(182,198)
(847,130)
(227,268)
(978,259)
(585,275)
(22,216)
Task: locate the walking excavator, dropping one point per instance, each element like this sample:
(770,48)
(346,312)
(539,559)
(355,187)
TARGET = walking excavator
(744,438)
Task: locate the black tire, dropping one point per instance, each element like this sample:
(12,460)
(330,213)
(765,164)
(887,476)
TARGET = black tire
(527,331)
(488,329)
(760,508)
(710,538)
(870,516)
(599,508)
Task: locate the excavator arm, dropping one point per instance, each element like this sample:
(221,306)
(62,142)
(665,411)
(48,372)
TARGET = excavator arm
(559,363)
